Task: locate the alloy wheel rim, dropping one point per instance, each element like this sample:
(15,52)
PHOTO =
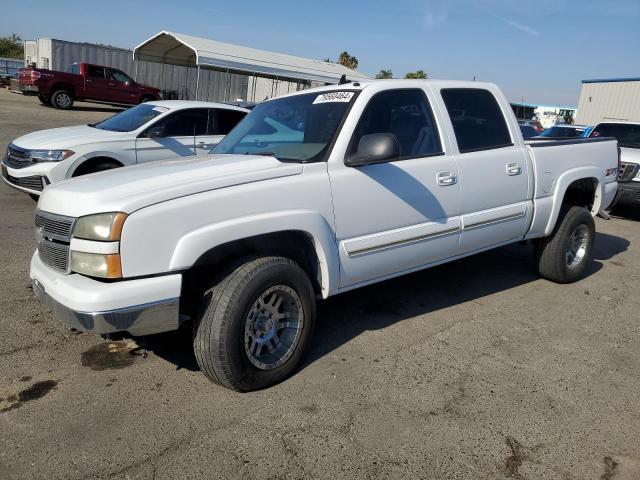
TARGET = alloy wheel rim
(273,327)
(64,99)
(577,245)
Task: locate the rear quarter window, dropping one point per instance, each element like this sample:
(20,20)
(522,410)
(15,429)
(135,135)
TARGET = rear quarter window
(478,122)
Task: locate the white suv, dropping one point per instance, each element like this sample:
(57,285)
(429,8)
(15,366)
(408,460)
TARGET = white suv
(151,131)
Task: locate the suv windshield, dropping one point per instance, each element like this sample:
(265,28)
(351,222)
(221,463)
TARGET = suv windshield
(627,134)
(131,119)
(298,128)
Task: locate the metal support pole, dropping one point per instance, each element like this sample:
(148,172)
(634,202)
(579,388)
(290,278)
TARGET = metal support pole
(197,82)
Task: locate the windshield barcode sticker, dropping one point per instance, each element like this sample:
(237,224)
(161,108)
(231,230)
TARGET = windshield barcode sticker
(160,109)
(333,97)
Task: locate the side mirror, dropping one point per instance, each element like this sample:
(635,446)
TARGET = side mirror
(157,132)
(375,148)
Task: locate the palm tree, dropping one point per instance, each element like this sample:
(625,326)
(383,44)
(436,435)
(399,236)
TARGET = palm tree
(384,74)
(416,74)
(348,60)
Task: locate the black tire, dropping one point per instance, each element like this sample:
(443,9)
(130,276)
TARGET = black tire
(221,331)
(44,100)
(62,99)
(89,167)
(575,227)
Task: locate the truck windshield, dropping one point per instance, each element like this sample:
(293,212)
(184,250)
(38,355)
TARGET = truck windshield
(298,128)
(627,134)
(131,119)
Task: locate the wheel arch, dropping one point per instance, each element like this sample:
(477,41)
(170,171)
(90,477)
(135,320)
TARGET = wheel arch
(87,161)
(303,236)
(62,86)
(578,187)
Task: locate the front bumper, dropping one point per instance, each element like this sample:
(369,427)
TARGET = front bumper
(141,307)
(628,194)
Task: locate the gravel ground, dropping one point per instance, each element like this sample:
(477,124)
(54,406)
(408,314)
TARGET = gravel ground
(477,369)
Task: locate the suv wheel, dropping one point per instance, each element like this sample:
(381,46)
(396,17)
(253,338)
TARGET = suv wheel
(255,324)
(62,99)
(563,256)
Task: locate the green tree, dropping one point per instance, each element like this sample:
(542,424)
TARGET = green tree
(384,74)
(11,46)
(348,61)
(416,74)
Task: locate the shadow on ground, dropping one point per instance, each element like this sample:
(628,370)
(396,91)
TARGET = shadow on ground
(344,317)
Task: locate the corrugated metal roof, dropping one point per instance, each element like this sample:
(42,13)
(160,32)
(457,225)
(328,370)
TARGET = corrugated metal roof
(180,49)
(610,80)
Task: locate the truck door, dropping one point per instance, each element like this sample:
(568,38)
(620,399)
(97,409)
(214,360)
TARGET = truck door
(173,136)
(121,87)
(494,175)
(95,83)
(402,214)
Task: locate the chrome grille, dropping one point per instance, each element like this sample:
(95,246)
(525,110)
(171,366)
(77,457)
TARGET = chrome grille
(627,171)
(55,227)
(17,157)
(33,182)
(54,254)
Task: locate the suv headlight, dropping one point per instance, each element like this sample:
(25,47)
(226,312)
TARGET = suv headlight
(49,155)
(103,227)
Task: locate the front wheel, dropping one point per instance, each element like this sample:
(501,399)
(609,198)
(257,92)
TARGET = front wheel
(255,324)
(563,256)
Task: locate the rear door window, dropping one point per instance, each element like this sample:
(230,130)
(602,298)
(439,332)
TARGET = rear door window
(477,120)
(95,71)
(185,123)
(225,120)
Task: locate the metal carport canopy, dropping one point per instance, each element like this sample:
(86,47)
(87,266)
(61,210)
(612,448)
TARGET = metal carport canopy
(185,50)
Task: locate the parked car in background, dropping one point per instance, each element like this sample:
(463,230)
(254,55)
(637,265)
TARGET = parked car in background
(628,136)
(148,132)
(531,123)
(312,194)
(84,82)
(558,132)
(528,131)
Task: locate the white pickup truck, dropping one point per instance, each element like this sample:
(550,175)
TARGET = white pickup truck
(151,131)
(311,195)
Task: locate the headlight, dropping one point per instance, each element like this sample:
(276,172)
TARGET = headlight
(96,264)
(49,155)
(106,227)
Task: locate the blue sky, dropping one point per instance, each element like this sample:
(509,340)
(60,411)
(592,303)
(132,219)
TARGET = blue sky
(538,49)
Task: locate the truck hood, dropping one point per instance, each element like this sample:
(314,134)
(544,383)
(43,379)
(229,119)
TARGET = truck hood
(65,137)
(131,188)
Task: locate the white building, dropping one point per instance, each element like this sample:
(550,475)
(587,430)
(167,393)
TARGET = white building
(609,99)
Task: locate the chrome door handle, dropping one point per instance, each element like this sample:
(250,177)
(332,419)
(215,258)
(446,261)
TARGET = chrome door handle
(446,178)
(513,168)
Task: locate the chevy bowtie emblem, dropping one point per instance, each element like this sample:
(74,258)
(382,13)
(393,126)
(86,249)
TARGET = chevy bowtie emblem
(39,234)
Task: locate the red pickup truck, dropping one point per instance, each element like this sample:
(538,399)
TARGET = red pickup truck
(84,82)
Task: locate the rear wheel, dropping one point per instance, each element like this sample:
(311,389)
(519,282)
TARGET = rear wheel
(564,255)
(62,99)
(255,324)
(44,100)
